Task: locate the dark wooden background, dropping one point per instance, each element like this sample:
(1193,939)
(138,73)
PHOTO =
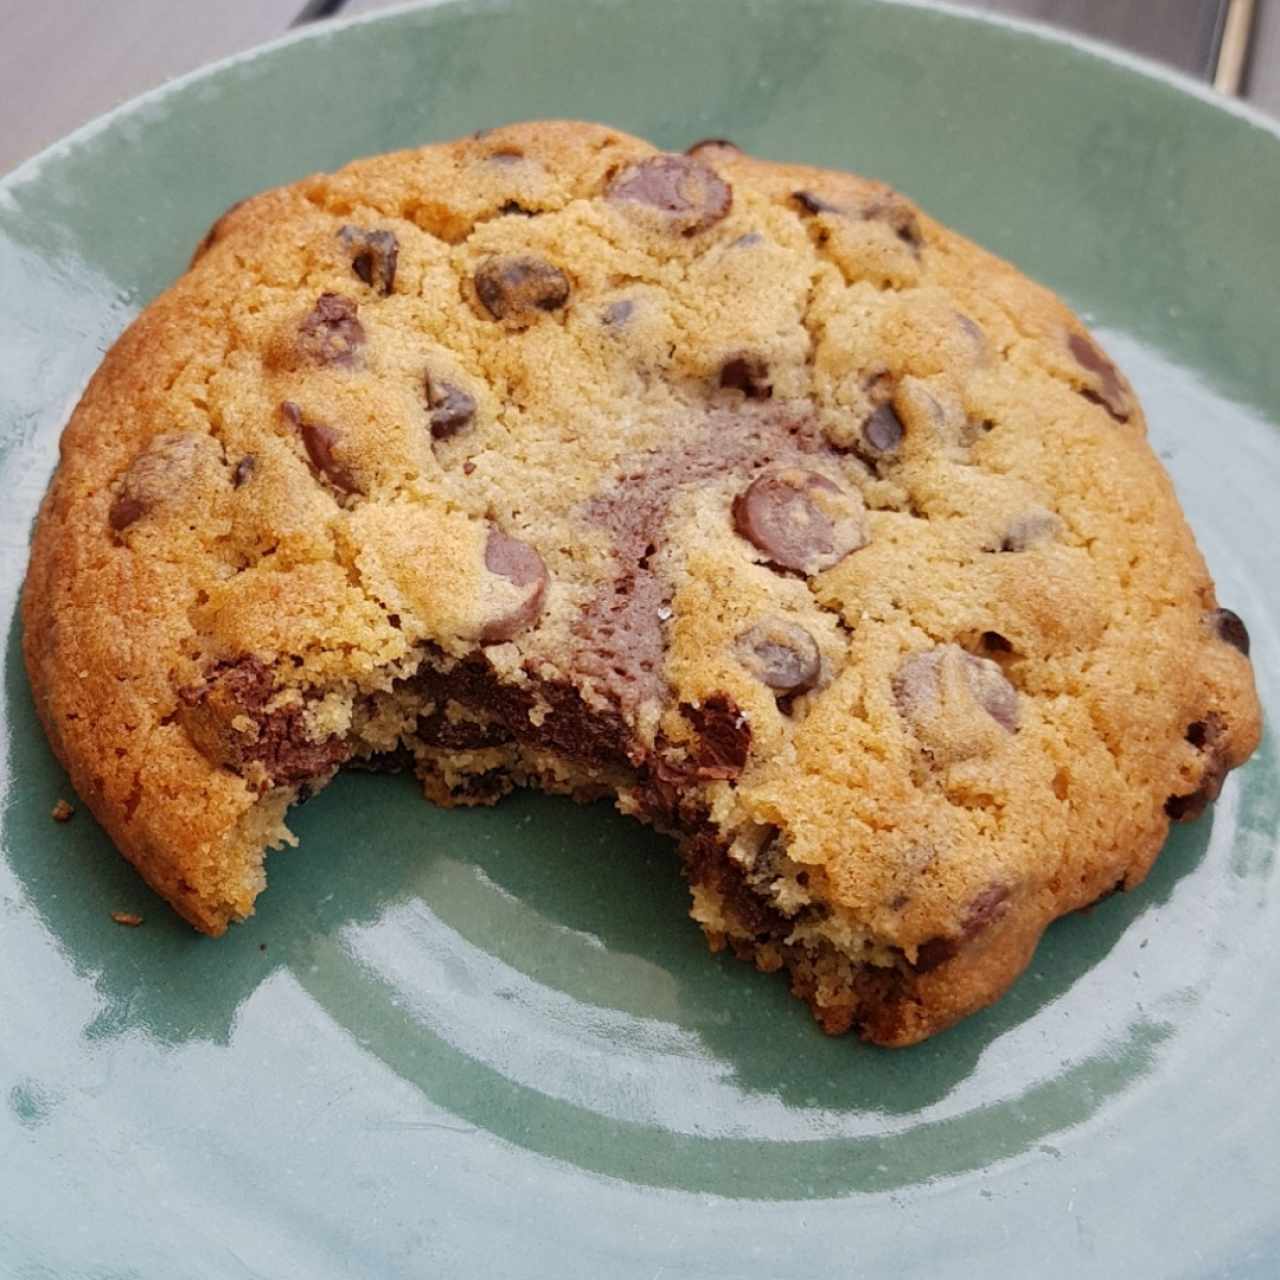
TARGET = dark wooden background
(62,62)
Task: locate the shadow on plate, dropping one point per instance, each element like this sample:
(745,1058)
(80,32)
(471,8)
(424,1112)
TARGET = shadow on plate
(370,843)
(176,985)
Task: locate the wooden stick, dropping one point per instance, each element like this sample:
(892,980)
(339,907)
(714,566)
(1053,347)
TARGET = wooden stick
(1233,52)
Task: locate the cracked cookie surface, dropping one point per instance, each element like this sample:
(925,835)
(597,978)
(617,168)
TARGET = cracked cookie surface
(743,493)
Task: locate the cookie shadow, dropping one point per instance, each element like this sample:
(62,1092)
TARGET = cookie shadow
(727,1003)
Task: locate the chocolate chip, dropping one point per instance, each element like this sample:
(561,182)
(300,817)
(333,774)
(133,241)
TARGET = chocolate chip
(935,952)
(1110,392)
(243,470)
(516,289)
(319,441)
(915,683)
(810,203)
(214,713)
(899,215)
(124,511)
(711,144)
(164,475)
(1188,808)
(451,407)
(988,907)
(748,374)
(800,520)
(1030,528)
(1207,736)
(993,693)
(723,738)
(373,256)
(973,332)
(617,313)
(523,567)
(883,431)
(332,333)
(1230,627)
(780,654)
(922,679)
(692,196)
(890,208)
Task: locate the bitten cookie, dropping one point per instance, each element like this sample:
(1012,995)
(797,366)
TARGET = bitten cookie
(740,492)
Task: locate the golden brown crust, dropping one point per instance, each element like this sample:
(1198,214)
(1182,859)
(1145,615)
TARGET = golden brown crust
(1005,669)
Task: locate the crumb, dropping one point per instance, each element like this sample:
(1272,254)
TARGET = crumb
(262,946)
(126,918)
(62,811)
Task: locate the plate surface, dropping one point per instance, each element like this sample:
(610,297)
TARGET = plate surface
(490,1043)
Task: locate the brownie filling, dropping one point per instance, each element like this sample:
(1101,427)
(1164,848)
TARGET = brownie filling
(236,716)
(705,855)
(565,723)
(620,641)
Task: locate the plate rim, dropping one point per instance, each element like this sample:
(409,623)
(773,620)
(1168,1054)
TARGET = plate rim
(28,170)
(33,170)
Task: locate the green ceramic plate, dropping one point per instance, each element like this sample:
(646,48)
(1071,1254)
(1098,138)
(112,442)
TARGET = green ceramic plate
(490,1044)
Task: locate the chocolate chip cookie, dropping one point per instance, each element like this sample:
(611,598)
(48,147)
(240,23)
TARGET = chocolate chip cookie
(742,493)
